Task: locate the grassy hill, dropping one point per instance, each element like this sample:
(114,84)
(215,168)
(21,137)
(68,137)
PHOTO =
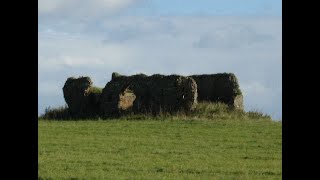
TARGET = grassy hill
(215,145)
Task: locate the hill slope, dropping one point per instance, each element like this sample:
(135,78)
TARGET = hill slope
(153,149)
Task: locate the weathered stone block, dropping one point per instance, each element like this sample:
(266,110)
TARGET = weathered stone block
(82,98)
(222,87)
(148,94)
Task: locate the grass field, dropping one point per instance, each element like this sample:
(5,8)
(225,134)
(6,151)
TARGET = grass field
(153,149)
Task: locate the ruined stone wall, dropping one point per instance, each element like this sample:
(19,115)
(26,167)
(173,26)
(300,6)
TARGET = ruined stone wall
(82,98)
(148,94)
(222,87)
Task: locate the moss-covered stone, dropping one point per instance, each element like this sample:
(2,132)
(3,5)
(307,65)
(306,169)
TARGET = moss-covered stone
(221,87)
(115,75)
(82,98)
(148,94)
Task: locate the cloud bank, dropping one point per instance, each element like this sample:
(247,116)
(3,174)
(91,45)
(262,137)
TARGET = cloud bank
(81,8)
(250,47)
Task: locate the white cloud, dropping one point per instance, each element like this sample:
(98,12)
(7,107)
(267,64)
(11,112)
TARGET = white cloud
(260,97)
(58,50)
(50,88)
(81,61)
(232,36)
(81,8)
(165,45)
(255,88)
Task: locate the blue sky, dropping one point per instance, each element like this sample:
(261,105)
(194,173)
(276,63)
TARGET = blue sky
(208,7)
(98,37)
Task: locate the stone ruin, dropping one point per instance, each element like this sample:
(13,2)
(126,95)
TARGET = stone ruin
(81,99)
(221,87)
(150,94)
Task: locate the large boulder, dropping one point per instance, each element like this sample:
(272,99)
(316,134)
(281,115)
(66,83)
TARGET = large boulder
(82,98)
(148,94)
(221,87)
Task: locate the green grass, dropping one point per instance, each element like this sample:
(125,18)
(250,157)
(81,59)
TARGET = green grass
(160,149)
(61,112)
(95,90)
(203,110)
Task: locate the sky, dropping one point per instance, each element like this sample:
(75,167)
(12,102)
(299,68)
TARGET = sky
(97,37)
